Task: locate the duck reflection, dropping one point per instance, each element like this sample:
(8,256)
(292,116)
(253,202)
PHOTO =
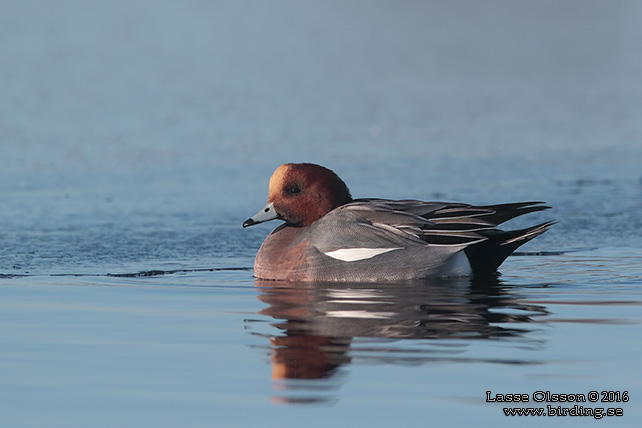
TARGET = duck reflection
(320,321)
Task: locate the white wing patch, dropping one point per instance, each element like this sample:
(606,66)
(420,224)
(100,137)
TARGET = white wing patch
(356,254)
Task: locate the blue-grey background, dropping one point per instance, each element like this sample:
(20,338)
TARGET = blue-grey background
(138,135)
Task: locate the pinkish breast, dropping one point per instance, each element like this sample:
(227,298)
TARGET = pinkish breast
(282,256)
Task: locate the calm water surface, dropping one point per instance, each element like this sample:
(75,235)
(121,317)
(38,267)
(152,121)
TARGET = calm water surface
(135,139)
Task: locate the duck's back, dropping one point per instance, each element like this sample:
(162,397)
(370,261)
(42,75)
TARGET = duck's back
(382,240)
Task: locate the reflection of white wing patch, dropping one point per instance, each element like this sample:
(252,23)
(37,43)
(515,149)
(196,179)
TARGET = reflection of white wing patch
(356,254)
(361,314)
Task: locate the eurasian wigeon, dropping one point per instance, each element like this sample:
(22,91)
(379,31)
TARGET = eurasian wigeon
(328,236)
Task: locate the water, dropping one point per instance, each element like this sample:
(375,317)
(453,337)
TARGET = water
(136,138)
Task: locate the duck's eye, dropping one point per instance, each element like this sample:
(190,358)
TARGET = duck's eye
(293,190)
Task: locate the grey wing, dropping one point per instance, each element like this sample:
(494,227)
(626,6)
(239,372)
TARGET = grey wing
(445,222)
(379,223)
(372,239)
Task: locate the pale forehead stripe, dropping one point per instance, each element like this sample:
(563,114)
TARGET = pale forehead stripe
(277,179)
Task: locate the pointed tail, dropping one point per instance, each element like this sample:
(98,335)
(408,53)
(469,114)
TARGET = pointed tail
(485,257)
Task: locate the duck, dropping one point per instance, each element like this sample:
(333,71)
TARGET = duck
(327,236)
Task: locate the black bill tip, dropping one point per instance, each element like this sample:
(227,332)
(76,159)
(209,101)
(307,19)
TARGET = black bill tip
(249,222)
